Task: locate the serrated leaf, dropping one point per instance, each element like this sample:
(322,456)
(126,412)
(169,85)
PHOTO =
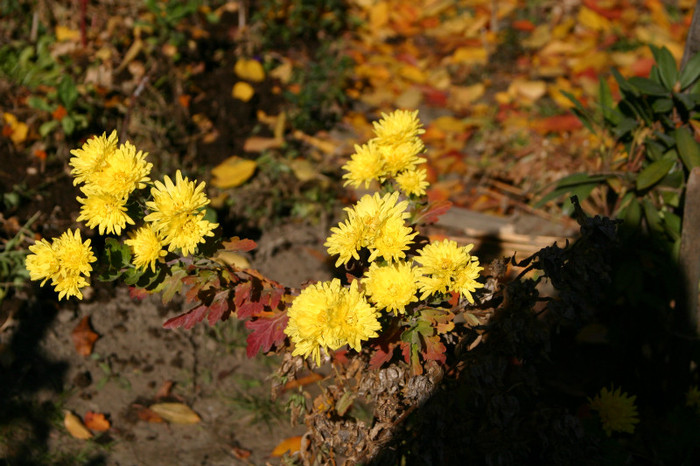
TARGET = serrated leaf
(75,426)
(653,173)
(177,413)
(266,332)
(237,244)
(690,72)
(688,148)
(172,284)
(188,319)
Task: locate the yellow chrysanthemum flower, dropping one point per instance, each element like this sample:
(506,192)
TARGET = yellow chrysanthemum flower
(391,287)
(397,127)
(105,211)
(124,170)
(445,266)
(328,315)
(176,213)
(413,182)
(364,166)
(147,248)
(90,159)
(616,409)
(43,263)
(399,157)
(64,261)
(692,398)
(186,233)
(375,222)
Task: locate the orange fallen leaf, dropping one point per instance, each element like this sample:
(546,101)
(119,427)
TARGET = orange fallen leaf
(40,154)
(523,25)
(240,453)
(164,390)
(96,421)
(16,130)
(290,444)
(557,124)
(176,413)
(242,91)
(84,337)
(148,415)
(59,113)
(300,382)
(75,426)
(232,172)
(184,100)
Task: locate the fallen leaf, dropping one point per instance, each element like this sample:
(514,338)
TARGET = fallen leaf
(148,415)
(176,413)
(303,169)
(96,421)
(66,34)
(258,144)
(232,172)
(75,426)
(249,69)
(164,390)
(232,259)
(290,444)
(242,91)
(84,337)
(302,381)
(470,56)
(16,130)
(328,147)
(60,113)
(240,453)
(283,72)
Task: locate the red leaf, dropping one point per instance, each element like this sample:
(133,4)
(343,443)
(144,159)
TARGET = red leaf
(382,355)
(266,331)
(241,293)
(557,124)
(188,319)
(249,309)
(137,293)
(219,308)
(431,212)
(239,245)
(434,349)
(84,337)
(523,25)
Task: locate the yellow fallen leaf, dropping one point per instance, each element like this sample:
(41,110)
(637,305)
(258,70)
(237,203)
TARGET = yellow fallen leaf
(593,20)
(303,169)
(66,34)
(448,124)
(462,96)
(249,69)
(290,444)
(378,15)
(531,90)
(232,172)
(75,426)
(410,98)
(328,147)
(470,56)
(18,130)
(176,413)
(242,91)
(412,73)
(283,72)
(231,258)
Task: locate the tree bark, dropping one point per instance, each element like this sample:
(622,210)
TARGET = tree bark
(692,41)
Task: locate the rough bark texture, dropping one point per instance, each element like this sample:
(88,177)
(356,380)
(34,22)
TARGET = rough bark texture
(692,42)
(690,249)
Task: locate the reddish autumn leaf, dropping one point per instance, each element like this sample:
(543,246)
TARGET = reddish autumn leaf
(164,390)
(239,245)
(84,337)
(302,381)
(382,355)
(434,349)
(602,10)
(240,453)
(266,332)
(96,421)
(188,319)
(148,415)
(249,309)
(40,154)
(60,113)
(557,124)
(184,100)
(524,25)
(432,212)
(137,293)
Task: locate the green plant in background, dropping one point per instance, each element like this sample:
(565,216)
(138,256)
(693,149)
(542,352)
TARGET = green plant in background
(12,255)
(644,171)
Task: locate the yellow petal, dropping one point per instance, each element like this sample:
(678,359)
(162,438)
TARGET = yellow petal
(75,426)
(249,69)
(242,91)
(232,172)
(177,413)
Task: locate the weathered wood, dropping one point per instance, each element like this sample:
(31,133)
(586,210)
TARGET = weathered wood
(692,41)
(690,253)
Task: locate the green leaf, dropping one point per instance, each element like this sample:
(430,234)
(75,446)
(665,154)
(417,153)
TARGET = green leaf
(67,92)
(662,105)
(606,101)
(68,125)
(652,215)
(688,148)
(654,172)
(632,213)
(39,103)
(672,225)
(648,86)
(671,198)
(668,69)
(569,184)
(623,83)
(686,100)
(47,127)
(690,72)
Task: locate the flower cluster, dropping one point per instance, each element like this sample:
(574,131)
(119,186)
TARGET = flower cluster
(110,174)
(66,261)
(616,409)
(393,153)
(327,315)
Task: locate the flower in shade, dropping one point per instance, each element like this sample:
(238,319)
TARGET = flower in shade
(105,211)
(617,410)
(328,315)
(391,287)
(147,248)
(91,158)
(365,165)
(413,182)
(66,261)
(445,266)
(176,213)
(124,170)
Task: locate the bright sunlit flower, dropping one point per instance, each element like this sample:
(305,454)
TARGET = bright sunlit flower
(176,213)
(445,266)
(104,211)
(391,287)
(399,126)
(364,166)
(403,156)
(147,248)
(617,410)
(90,159)
(328,315)
(345,241)
(391,240)
(42,263)
(66,261)
(124,171)
(413,182)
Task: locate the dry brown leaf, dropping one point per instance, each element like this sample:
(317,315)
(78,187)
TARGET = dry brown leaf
(75,426)
(84,337)
(148,415)
(258,144)
(176,413)
(302,381)
(290,444)
(96,421)
(232,172)
(164,390)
